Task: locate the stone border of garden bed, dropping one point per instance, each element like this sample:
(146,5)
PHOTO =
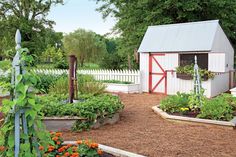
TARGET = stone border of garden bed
(111,150)
(165,115)
(66,123)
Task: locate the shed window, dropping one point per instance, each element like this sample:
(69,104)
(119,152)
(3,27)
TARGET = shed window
(187,59)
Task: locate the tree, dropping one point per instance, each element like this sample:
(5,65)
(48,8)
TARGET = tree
(86,45)
(134,16)
(30,17)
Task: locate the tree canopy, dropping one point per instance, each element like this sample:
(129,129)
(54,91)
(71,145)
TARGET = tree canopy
(30,17)
(86,45)
(134,16)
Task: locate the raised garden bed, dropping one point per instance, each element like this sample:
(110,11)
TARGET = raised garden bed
(66,123)
(124,88)
(165,115)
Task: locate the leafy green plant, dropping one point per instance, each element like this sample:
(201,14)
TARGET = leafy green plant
(217,108)
(24,100)
(5,65)
(60,86)
(196,100)
(90,109)
(174,103)
(189,69)
(46,81)
(88,85)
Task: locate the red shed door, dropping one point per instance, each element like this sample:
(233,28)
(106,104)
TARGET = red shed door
(157,74)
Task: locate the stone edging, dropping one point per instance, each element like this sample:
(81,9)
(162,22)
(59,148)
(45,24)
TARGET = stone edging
(165,115)
(111,150)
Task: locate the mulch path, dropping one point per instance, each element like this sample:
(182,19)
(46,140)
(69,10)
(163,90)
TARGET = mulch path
(142,131)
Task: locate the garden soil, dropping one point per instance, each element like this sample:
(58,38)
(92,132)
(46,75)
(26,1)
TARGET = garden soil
(142,131)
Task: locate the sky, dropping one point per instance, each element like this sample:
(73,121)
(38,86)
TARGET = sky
(76,14)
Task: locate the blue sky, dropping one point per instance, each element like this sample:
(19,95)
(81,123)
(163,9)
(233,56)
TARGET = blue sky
(79,14)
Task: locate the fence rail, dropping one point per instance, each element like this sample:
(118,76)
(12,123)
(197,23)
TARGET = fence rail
(119,75)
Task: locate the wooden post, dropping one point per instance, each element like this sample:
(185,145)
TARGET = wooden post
(72,77)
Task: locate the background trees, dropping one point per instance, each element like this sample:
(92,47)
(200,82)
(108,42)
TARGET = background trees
(86,45)
(134,16)
(30,17)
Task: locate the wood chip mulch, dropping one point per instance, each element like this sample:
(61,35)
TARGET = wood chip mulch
(142,131)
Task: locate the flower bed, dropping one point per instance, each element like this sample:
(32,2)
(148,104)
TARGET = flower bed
(222,107)
(89,112)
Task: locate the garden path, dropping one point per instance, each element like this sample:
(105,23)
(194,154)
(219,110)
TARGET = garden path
(142,131)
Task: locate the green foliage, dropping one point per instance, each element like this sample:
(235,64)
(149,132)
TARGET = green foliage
(88,85)
(133,17)
(46,81)
(174,103)
(60,86)
(30,17)
(23,100)
(196,100)
(111,61)
(189,69)
(217,108)
(52,54)
(86,45)
(5,65)
(116,81)
(62,64)
(90,108)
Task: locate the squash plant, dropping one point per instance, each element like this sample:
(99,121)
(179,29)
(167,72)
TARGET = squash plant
(25,100)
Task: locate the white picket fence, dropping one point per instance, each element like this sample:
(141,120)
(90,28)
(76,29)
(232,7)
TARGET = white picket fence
(120,75)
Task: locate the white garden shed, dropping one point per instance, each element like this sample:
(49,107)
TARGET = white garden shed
(165,47)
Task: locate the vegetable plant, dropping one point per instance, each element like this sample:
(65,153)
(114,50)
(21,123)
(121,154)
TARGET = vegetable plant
(25,100)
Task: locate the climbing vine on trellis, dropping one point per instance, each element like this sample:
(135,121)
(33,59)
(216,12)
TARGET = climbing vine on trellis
(23,98)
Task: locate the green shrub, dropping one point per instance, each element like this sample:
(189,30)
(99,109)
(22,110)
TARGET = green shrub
(45,81)
(174,103)
(88,85)
(62,64)
(216,108)
(61,86)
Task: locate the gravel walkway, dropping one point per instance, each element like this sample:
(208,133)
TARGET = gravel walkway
(144,132)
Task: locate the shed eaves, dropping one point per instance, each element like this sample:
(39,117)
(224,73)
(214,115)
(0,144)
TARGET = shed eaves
(193,36)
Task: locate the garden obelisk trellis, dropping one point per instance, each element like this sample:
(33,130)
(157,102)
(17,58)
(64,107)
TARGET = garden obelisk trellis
(20,117)
(197,81)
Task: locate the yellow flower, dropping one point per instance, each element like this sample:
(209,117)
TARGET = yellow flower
(184,109)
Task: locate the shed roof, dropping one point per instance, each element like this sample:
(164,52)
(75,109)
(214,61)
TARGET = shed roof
(192,36)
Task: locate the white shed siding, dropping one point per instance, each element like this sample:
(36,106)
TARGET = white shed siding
(221,44)
(184,86)
(144,67)
(219,84)
(216,62)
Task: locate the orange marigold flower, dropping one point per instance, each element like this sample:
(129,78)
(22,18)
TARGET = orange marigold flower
(75,155)
(55,138)
(69,145)
(94,145)
(99,151)
(58,134)
(67,154)
(41,148)
(74,149)
(2,148)
(58,142)
(50,150)
(79,142)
